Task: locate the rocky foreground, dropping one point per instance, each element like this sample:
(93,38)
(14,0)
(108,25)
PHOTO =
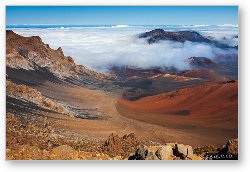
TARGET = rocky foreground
(36,138)
(25,141)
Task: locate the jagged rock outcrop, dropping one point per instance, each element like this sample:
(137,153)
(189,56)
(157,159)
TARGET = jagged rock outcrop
(120,146)
(27,52)
(230,148)
(30,61)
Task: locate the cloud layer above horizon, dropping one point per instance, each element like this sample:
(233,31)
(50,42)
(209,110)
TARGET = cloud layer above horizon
(101,48)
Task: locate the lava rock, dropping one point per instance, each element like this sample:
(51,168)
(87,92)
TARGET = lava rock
(230,148)
(140,154)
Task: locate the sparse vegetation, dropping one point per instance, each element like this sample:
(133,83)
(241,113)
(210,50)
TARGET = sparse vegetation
(26,141)
(206,149)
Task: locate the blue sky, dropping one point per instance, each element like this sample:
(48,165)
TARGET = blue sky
(109,15)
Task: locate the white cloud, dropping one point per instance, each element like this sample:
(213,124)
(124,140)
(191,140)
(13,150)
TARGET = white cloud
(99,48)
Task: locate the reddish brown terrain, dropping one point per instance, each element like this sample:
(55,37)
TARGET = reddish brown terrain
(204,74)
(52,103)
(209,110)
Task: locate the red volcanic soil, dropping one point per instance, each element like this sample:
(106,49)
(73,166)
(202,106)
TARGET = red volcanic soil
(210,110)
(204,74)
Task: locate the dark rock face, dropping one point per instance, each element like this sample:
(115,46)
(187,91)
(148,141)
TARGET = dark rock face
(181,36)
(156,35)
(218,68)
(230,148)
(140,154)
(201,63)
(128,72)
(194,36)
(226,152)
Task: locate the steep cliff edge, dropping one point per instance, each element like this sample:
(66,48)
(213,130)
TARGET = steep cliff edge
(30,61)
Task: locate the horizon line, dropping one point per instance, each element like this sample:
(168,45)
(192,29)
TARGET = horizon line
(224,24)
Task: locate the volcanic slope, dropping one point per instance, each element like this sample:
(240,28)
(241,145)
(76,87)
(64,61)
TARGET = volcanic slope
(208,110)
(91,98)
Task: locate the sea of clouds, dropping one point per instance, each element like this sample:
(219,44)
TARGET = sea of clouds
(99,48)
